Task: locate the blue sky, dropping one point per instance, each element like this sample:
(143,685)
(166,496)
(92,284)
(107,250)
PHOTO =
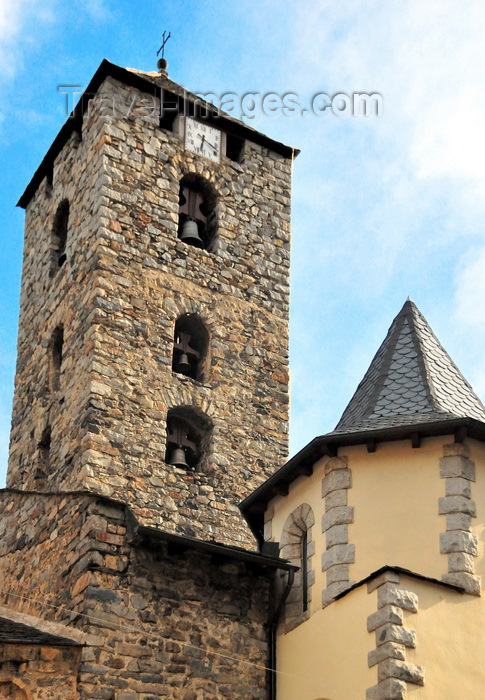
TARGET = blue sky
(383,207)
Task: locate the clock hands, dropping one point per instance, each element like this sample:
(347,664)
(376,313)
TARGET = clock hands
(204,140)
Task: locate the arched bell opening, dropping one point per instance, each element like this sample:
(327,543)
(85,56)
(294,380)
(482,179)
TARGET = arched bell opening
(59,237)
(188,438)
(190,347)
(197,212)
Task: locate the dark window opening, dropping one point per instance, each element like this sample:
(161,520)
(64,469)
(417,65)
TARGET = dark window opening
(44,452)
(191,341)
(59,237)
(304,570)
(197,212)
(49,179)
(188,437)
(56,346)
(183,449)
(167,117)
(234,148)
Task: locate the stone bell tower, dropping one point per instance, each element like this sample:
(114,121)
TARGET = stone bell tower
(153,339)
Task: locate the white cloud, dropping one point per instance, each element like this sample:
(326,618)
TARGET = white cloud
(21,22)
(394,203)
(96,9)
(468,314)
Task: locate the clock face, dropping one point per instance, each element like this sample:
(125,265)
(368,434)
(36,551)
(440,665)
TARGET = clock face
(202,139)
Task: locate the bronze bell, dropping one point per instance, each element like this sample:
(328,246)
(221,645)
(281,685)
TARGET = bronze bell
(183,365)
(190,234)
(177,459)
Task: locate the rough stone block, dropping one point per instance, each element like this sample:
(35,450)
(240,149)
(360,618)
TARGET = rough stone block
(339,554)
(387,576)
(336,499)
(458,541)
(390,689)
(337,516)
(388,594)
(454,466)
(458,486)
(329,593)
(336,463)
(456,504)
(400,670)
(386,615)
(459,562)
(458,521)
(460,449)
(336,480)
(337,573)
(390,650)
(395,633)
(338,534)
(471,584)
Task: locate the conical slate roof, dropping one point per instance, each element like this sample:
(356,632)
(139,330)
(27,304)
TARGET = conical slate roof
(411,379)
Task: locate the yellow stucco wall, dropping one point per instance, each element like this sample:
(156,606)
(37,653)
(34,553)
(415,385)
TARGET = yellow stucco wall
(395,493)
(326,657)
(450,643)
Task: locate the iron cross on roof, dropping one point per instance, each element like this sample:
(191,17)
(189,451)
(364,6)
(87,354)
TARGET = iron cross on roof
(164,41)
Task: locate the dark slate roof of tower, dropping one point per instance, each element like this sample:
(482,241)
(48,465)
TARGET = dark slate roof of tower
(411,380)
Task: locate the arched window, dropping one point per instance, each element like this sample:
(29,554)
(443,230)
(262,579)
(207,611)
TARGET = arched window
(59,237)
(190,346)
(55,358)
(297,546)
(188,435)
(197,212)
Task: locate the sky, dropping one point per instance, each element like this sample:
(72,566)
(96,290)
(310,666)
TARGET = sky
(384,207)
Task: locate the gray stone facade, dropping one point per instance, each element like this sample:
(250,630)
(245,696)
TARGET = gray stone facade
(126,280)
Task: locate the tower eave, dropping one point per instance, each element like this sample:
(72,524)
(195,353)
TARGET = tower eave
(146,84)
(254,506)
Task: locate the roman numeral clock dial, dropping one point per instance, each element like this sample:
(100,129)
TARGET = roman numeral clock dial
(202,139)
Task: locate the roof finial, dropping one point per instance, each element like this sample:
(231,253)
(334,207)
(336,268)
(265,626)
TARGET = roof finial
(162,63)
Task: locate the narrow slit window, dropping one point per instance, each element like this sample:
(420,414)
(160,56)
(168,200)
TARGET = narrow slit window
(59,237)
(304,570)
(56,349)
(45,449)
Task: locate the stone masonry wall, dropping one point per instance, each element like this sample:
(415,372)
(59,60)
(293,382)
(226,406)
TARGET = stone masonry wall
(160,622)
(39,672)
(45,549)
(46,302)
(119,296)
